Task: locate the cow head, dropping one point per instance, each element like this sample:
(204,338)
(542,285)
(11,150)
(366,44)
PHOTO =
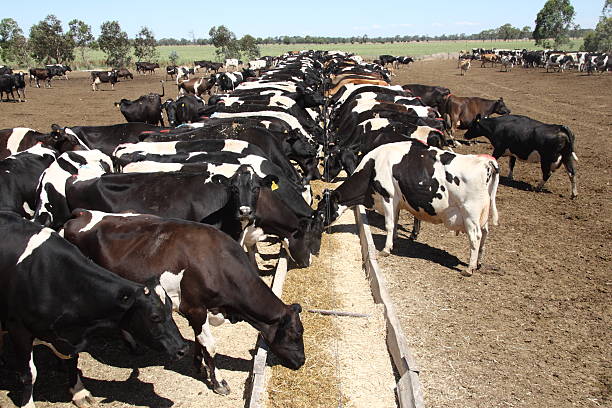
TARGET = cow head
(170,107)
(286,338)
(244,186)
(328,207)
(476,129)
(61,140)
(149,319)
(248,73)
(338,159)
(500,107)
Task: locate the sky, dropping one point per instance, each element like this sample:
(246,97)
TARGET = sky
(306,17)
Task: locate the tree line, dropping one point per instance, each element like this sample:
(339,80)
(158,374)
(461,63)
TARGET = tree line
(48,43)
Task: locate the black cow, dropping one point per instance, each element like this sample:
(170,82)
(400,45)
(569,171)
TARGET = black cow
(40,74)
(386,59)
(98,77)
(104,138)
(59,70)
(19,176)
(52,294)
(19,139)
(144,67)
(10,83)
(5,70)
(147,108)
(202,269)
(184,110)
(124,73)
(529,140)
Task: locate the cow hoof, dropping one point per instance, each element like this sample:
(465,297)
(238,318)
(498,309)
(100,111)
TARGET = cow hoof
(467,272)
(84,402)
(385,252)
(222,388)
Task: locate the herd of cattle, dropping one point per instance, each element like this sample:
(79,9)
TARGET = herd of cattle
(120,225)
(559,61)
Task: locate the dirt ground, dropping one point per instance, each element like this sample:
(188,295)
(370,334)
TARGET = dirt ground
(532,329)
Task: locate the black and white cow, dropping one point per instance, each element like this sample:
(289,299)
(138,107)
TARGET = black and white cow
(529,140)
(19,139)
(432,184)
(184,110)
(19,176)
(202,269)
(52,207)
(558,62)
(99,77)
(51,294)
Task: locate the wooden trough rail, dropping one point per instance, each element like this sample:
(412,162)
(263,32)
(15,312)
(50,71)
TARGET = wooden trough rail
(408,387)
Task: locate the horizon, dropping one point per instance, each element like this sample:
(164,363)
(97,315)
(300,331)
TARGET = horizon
(452,18)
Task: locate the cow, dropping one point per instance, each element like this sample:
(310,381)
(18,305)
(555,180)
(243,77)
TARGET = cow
(507,63)
(464,66)
(4,70)
(10,83)
(34,263)
(432,184)
(124,73)
(231,63)
(196,86)
(184,110)
(208,65)
(183,73)
(98,77)
(558,62)
(492,58)
(104,138)
(258,64)
(52,207)
(434,96)
(40,74)
(386,59)
(19,176)
(147,108)
(529,140)
(19,139)
(144,67)
(210,273)
(59,70)
(171,70)
(459,112)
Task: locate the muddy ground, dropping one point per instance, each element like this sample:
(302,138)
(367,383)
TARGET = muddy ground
(532,329)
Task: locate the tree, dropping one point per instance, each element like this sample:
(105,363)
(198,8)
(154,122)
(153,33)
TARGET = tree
(13,44)
(115,44)
(554,21)
(48,41)
(600,40)
(81,35)
(249,47)
(526,32)
(173,57)
(225,42)
(508,32)
(145,45)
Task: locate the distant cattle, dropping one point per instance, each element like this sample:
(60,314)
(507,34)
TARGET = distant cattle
(231,63)
(124,73)
(10,83)
(144,67)
(41,74)
(171,70)
(99,77)
(59,70)
(464,66)
(197,86)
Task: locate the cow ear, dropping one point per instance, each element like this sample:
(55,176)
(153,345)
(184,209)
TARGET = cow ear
(296,308)
(271,181)
(219,179)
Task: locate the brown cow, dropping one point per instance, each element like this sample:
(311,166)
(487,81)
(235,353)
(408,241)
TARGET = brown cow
(340,84)
(196,86)
(460,112)
(492,58)
(40,73)
(202,270)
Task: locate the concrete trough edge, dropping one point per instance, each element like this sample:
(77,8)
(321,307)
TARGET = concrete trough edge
(255,396)
(408,389)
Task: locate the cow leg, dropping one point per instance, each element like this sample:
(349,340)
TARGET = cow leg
(81,397)
(204,348)
(546,172)
(23,347)
(483,239)
(416,228)
(390,220)
(511,167)
(474,233)
(571,172)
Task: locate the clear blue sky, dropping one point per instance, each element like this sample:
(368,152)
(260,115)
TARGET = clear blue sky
(297,17)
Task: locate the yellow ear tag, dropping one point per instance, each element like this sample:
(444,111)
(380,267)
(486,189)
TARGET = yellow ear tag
(182,105)
(274,186)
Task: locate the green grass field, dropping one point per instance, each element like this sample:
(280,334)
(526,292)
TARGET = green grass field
(189,53)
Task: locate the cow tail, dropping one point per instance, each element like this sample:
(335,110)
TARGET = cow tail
(493,183)
(572,140)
